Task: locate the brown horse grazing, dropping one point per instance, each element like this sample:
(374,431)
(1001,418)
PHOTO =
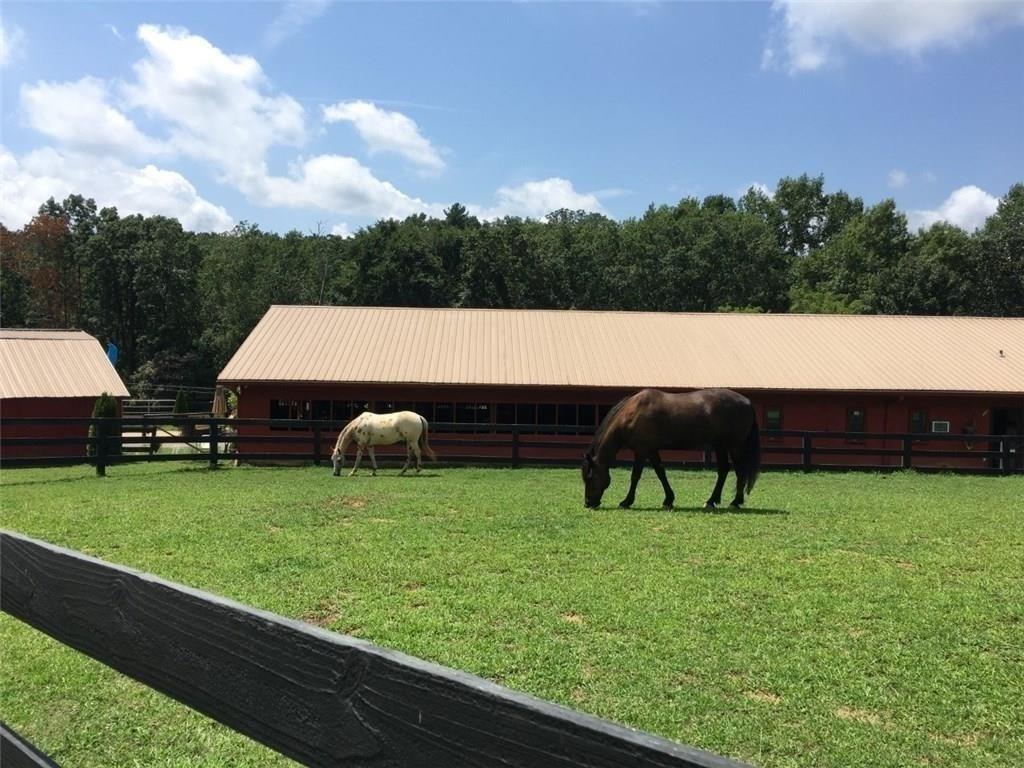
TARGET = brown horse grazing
(650,421)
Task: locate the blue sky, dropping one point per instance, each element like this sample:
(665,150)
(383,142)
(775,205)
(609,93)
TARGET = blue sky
(298,114)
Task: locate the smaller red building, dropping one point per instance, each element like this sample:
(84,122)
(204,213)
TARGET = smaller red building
(51,374)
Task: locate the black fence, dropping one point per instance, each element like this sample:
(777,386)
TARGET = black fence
(321,698)
(176,438)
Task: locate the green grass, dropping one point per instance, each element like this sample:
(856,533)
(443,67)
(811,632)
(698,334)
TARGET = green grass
(841,620)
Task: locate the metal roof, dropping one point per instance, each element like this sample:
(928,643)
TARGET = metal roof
(44,363)
(632,349)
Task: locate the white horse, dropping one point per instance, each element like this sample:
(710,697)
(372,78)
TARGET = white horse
(370,429)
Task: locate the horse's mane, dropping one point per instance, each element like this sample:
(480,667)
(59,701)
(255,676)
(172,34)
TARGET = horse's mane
(605,423)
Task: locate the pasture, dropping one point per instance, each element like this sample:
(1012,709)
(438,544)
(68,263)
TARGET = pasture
(839,620)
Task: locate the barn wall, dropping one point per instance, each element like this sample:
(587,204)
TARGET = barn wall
(818,411)
(47,408)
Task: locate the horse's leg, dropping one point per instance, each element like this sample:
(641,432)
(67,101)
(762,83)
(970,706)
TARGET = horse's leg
(373,459)
(359,456)
(408,457)
(415,447)
(659,469)
(722,454)
(741,477)
(638,469)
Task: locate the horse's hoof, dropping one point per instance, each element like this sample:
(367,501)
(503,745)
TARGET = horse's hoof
(709,505)
(667,505)
(626,503)
(736,504)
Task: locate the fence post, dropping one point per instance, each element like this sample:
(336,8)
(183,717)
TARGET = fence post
(515,446)
(101,447)
(807,453)
(317,434)
(907,451)
(214,447)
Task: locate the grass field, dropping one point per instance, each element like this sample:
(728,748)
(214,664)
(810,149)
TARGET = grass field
(840,620)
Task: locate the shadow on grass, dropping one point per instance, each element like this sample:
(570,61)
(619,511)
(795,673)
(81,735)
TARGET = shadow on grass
(725,510)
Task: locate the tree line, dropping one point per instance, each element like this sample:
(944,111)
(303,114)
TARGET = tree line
(178,304)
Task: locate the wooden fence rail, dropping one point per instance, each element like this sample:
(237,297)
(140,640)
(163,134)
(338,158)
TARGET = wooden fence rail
(320,698)
(130,439)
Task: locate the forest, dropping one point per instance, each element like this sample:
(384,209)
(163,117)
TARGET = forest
(178,304)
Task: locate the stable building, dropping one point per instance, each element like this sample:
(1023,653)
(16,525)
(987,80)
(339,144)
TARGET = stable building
(480,369)
(51,374)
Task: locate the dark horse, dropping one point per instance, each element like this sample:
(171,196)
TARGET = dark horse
(650,421)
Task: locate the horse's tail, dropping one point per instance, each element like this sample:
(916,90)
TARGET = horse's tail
(752,455)
(424,445)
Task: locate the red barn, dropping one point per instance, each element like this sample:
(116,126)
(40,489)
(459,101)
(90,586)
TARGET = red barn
(52,374)
(485,367)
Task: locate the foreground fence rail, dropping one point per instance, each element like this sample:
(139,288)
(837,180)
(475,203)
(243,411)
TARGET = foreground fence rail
(178,438)
(320,698)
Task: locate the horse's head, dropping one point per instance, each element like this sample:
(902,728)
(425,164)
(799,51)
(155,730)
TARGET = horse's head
(596,480)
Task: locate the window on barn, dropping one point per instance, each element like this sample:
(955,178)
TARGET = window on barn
(444,413)
(321,410)
(290,409)
(546,414)
(588,417)
(405,405)
(281,409)
(340,410)
(505,413)
(855,420)
(426,410)
(568,416)
(918,422)
(602,411)
(465,413)
(383,406)
(526,417)
(483,413)
(773,417)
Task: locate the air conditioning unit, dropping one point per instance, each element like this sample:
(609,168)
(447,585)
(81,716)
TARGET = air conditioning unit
(940,426)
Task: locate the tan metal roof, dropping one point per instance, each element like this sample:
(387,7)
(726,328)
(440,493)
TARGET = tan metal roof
(632,349)
(39,363)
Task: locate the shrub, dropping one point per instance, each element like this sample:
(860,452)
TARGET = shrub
(105,407)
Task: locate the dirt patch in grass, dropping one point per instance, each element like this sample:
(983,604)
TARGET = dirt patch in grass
(859,715)
(764,697)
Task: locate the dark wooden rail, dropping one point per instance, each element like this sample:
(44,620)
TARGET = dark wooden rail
(15,752)
(320,698)
(504,444)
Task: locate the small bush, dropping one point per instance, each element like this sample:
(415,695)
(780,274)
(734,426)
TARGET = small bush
(105,407)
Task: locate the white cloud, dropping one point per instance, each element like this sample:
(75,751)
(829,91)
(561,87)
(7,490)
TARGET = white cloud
(114,31)
(12,40)
(48,172)
(293,17)
(221,110)
(215,102)
(341,229)
(967,208)
(897,178)
(342,185)
(385,131)
(536,199)
(815,32)
(79,116)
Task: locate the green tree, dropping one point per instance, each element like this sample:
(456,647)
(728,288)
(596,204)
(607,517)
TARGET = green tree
(1000,285)
(858,265)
